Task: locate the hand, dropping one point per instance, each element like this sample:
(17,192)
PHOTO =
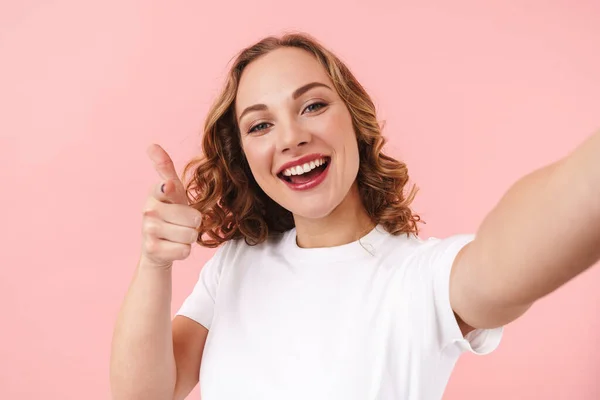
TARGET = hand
(169,225)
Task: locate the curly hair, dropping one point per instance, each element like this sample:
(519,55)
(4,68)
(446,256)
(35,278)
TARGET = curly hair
(232,204)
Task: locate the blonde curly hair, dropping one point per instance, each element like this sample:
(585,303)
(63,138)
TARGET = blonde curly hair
(220,184)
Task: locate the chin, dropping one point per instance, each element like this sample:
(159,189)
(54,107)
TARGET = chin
(316,210)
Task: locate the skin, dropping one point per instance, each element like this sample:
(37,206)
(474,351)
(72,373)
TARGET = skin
(152,357)
(541,234)
(289,127)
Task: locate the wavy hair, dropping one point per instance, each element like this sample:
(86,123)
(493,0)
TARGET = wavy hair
(232,204)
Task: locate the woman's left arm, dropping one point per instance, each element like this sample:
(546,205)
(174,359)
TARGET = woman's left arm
(543,232)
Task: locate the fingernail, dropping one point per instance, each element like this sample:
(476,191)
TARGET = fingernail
(162,188)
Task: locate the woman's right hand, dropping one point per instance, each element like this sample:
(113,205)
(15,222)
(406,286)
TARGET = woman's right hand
(169,226)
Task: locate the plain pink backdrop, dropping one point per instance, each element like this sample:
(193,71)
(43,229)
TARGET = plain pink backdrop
(474,97)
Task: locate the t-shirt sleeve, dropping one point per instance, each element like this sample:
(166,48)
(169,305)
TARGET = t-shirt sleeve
(200,303)
(438,258)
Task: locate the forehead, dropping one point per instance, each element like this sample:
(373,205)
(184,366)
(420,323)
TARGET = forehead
(276,75)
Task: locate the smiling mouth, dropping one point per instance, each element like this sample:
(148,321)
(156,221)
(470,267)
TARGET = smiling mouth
(305,173)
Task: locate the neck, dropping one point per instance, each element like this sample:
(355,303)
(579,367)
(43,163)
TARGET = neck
(347,223)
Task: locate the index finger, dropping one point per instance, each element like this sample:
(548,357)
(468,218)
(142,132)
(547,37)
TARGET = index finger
(167,192)
(162,162)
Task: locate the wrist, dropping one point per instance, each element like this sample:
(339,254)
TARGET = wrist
(146,264)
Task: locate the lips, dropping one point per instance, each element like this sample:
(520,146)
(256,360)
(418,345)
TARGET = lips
(306,172)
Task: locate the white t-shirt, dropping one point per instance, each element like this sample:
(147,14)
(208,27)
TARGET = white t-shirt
(369,320)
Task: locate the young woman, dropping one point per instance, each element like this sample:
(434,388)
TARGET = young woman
(321,287)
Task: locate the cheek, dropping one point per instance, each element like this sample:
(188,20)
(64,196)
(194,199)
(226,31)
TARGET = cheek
(340,134)
(335,131)
(259,155)
(345,140)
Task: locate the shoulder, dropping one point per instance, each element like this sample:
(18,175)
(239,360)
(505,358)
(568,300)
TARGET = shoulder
(405,246)
(422,257)
(436,249)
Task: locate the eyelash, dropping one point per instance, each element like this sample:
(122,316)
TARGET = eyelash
(319,103)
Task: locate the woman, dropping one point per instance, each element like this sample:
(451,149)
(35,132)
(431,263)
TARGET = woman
(322,288)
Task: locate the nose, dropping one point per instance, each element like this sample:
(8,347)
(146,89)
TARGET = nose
(292,135)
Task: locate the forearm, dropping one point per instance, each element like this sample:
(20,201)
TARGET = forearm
(544,231)
(142,361)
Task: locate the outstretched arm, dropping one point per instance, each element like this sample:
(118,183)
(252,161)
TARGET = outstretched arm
(543,232)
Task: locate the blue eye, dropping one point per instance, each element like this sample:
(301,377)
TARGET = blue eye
(311,108)
(259,127)
(315,107)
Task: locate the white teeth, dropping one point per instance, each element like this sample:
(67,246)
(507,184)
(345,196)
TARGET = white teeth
(304,168)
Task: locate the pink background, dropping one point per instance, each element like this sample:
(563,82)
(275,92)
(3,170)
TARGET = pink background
(474,97)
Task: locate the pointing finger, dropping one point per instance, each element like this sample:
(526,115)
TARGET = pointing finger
(162,163)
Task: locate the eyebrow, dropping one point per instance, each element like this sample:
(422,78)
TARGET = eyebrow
(297,93)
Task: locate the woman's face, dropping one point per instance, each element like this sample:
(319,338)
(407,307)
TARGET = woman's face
(296,132)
